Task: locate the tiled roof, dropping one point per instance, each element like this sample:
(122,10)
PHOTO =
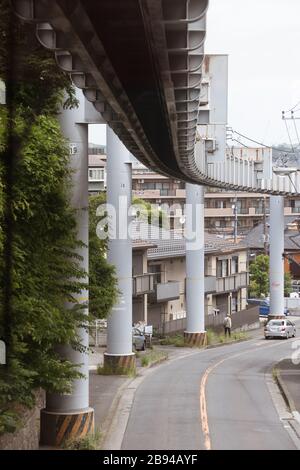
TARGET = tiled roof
(97,160)
(170,243)
(255,238)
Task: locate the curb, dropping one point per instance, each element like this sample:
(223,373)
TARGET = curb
(229,343)
(283,389)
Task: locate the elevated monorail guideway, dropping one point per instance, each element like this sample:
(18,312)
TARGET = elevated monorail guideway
(142,64)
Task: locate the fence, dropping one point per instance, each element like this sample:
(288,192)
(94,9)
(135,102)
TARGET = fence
(98,334)
(240,320)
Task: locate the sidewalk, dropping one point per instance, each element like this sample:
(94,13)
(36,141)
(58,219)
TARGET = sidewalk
(288,378)
(107,390)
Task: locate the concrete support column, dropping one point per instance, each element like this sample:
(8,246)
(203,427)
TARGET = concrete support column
(69,415)
(276,256)
(195,334)
(119,356)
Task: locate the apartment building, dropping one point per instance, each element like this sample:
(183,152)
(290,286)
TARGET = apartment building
(221,206)
(159,273)
(97,169)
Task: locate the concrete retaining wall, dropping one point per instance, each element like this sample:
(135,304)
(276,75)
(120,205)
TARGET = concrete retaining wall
(28,436)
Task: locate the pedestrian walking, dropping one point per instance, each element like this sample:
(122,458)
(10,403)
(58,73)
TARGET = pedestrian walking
(227,325)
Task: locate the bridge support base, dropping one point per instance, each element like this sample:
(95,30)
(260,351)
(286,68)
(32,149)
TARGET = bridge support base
(57,427)
(195,340)
(117,364)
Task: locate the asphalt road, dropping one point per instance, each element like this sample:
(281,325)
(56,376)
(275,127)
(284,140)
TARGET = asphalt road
(214,399)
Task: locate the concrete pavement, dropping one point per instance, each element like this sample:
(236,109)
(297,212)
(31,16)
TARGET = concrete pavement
(218,399)
(214,399)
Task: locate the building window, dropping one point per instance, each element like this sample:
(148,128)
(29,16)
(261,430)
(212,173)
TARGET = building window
(235,265)
(222,268)
(156,269)
(96,174)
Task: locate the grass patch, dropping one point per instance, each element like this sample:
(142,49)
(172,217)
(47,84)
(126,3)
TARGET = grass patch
(89,442)
(220,338)
(176,340)
(212,339)
(107,370)
(153,357)
(275,373)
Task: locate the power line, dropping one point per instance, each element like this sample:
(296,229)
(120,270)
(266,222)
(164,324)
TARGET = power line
(292,182)
(263,145)
(292,109)
(290,139)
(241,143)
(296,130)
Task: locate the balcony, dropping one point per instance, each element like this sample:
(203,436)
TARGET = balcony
(143,284)
(210,284)
(232,283)
(165,292)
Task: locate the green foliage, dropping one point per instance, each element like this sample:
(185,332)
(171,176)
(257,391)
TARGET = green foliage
(259,276)
(175,340)
(89,442)
(148,213)
(214,338)
(103,284)
(153,357)
(287,284)
(39,265)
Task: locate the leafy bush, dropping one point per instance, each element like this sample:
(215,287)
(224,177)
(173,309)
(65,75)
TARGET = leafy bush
(40,270)
(89,442)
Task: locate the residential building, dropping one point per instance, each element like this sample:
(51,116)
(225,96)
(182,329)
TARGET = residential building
(97,173)
(159,273)
(220,205)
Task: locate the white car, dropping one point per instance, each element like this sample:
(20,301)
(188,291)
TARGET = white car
(280,329)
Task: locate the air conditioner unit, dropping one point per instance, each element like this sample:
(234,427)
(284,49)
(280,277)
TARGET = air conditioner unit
(210,145)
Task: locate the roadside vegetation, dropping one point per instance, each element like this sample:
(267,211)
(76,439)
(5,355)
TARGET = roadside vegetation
(40,270)
(219,338)
(153,357)
(259,278)
(212,339)
(91,441)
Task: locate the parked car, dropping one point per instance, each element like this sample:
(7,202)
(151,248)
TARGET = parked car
(264,306)
(280,329)
(138,340)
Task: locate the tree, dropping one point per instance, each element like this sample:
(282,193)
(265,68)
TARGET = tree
(149,213)
(103,283)
(259,276)
(287,284)
(39,267)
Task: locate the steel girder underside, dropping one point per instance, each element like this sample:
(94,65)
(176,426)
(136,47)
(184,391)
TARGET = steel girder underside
(139,62)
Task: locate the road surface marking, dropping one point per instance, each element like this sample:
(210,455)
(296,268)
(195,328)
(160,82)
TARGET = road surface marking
(203,401)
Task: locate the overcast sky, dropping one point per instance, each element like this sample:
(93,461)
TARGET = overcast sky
(262,39)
